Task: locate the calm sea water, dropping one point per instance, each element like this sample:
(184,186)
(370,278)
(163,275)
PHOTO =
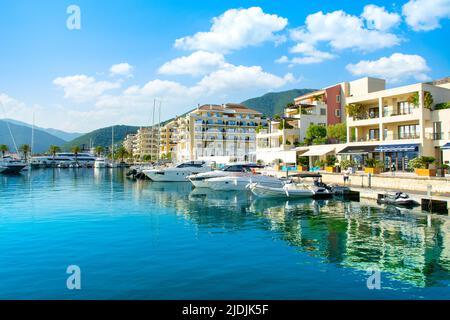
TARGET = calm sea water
(144,240)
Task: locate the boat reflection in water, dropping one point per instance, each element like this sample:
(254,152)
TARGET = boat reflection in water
(404,246)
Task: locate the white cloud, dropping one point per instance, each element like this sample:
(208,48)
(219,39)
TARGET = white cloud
(309,55)
(121,69)
(425,15)
(241,78)
(379,18)
(342,31)
(396,68)
(235,29)
(82,88)
(198,63)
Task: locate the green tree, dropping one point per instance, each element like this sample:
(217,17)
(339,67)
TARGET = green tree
(337,132)
(316,134)
(99,150)
(25,149)
(121,153)
(3,149)
(53,150)
(76,150)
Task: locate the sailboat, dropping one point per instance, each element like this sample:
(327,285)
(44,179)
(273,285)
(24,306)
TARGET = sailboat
(113,163)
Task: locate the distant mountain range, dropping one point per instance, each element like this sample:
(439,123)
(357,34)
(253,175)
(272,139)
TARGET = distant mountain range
(66,136)
(273,103)
(22,135)
(102,137)
(269,104)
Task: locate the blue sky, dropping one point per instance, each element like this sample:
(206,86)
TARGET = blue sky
(227,51)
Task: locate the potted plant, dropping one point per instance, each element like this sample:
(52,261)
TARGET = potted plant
(330,163)
(421,166)
(302,163)
(345,164)
(277,163)
(373,166)
(320,164)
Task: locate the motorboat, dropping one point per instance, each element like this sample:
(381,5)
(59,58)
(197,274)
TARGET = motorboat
(179,173)
(9,165)
(83,159)
(240,182)
(100,163)
(400,199)
(201,180)
(289,190)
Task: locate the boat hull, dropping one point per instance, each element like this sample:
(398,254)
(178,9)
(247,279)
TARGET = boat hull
(12,169)
(277,192)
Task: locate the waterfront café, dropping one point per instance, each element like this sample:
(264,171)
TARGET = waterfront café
(320,152)
(398,154)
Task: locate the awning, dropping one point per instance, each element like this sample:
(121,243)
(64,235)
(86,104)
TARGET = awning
(446,146)
(357,150)
(397,148)
(318,150)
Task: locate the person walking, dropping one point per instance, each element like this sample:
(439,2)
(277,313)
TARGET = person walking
(346,175)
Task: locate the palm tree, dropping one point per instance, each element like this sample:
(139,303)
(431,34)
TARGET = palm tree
(53,150)
(76,150)
(99,150)
(121,153)
(25,149)
(3,149)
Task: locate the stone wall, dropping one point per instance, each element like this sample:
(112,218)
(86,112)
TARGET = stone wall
(419,184)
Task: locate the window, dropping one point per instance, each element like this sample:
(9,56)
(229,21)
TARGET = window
(338,98)
(338,113)
(374,134)
(323,112)
(437,130)
(374,113)
(404,107)
(408,131)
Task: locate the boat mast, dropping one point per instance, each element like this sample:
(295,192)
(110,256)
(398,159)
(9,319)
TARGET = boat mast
(32,136)
(153,130)
(159,130)
(112,144)
(9,128)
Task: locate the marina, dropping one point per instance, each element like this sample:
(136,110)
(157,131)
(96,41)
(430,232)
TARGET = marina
(194,243)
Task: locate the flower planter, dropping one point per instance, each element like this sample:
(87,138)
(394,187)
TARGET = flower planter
(426,172)
(302,168)
(330,169)
(372,170)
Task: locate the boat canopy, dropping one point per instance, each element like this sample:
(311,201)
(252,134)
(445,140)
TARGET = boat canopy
(397,148)
(446,146)
(319,150)
(357,150)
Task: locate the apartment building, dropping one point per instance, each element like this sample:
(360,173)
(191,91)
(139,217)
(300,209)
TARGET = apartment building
(129,143)
(393,125)
(398,124)
(168,140)
(284,135)
(143,144)
(220,133)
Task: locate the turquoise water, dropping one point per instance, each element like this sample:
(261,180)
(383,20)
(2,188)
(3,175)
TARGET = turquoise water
(144,240)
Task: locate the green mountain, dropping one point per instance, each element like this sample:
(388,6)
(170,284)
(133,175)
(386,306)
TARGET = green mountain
(66,136)
(22,135)
(101,137)
(274,102)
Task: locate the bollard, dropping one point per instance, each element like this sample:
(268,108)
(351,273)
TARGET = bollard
(429,188)
(370,180)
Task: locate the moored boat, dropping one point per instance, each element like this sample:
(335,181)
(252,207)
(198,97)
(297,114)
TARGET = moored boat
(290,190)
(178,173)
(400,199)
(9,165)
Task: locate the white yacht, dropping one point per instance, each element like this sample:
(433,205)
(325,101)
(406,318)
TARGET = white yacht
(63,160)
(100,163)
(240,182)
(9,165)
(178,173)
(290,190)
(201,180)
